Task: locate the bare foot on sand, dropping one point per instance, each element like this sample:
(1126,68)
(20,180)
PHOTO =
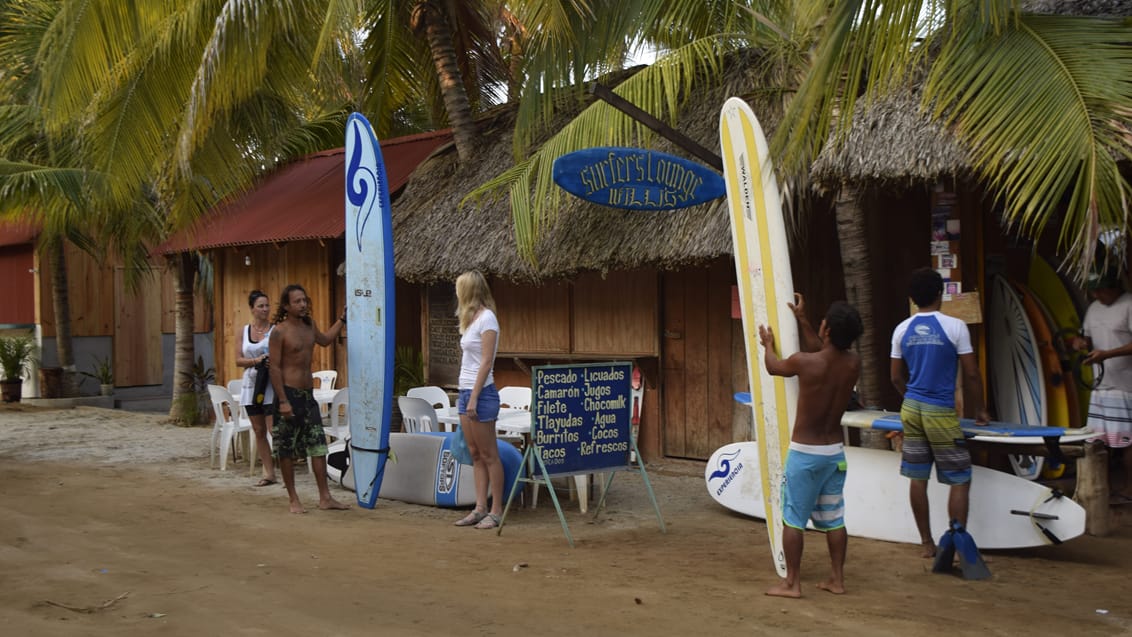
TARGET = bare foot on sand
(837,588)
(785,590)
(332,504)
(929,550)
(297,507)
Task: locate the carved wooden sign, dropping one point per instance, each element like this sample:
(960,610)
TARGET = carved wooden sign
(636,179)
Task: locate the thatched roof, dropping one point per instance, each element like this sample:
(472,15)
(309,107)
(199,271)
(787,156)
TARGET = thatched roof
(892,141)
(437,239)
(1094,8)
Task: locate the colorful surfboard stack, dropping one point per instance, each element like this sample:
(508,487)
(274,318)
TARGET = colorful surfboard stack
(1033,376)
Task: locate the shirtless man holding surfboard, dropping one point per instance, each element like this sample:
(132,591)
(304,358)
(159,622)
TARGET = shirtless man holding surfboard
(298,430)
(815,466)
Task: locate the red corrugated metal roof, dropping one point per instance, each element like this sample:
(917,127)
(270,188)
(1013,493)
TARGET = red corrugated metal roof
(14,233)
(301,200)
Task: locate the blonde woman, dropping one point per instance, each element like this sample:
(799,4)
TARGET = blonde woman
(251,354)
(478,404)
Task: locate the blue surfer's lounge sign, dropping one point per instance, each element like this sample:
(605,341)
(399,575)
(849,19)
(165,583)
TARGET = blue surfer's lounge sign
(636,179)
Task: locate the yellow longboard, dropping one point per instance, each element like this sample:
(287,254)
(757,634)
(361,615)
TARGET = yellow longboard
(762,271)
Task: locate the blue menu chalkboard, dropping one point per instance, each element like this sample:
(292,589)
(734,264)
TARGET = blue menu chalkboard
(581,417)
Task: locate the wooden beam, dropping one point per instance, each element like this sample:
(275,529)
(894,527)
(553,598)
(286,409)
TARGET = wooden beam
(1092,489)
(664,130)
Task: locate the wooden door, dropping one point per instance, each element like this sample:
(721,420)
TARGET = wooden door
(137,332)
(696,360)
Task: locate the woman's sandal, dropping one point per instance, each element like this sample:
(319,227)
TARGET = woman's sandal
(471,519)
(490,521)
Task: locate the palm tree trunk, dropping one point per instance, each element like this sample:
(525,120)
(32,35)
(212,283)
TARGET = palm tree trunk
(429,20)
(185,268)
(855,263)
(61,304)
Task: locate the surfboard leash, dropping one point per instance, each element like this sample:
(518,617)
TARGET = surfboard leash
(381,472)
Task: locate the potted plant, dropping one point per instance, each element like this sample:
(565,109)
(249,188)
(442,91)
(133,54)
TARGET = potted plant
(17,355)
(195,405)
(408,372)
(104,374)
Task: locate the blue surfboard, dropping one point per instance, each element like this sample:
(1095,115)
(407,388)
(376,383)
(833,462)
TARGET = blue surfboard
(369,307)
(890,421)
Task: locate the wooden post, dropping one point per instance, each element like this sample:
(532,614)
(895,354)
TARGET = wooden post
(1092,488)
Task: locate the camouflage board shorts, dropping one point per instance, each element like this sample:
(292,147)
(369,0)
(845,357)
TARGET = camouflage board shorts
(301,434)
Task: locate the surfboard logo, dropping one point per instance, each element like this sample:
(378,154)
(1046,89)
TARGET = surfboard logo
(446,477)
(359,180)
(725,471)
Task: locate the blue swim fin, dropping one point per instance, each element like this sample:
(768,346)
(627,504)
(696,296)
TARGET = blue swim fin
(970,561)
(944,553)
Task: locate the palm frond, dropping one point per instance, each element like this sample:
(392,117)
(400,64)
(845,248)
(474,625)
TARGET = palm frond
(659,89)
(1039,105)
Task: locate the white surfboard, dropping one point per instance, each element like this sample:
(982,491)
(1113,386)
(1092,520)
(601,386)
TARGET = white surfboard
(1005,512)
(424,470)
(369,303)
(1018,383)
(766,285)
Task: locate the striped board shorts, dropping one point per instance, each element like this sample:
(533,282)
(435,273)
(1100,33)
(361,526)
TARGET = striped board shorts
(932,435)
(1110,415)
(812,487)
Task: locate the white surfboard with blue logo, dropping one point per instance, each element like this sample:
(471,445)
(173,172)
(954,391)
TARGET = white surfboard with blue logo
(369,306)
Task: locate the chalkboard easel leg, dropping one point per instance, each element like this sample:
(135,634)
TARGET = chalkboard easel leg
(514,486)
(648,485)
(601,501)
(545,478)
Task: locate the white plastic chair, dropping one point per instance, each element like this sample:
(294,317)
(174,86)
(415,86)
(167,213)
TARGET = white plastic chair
(515,397)
(326,378)
(436,396)
(416,415)
(236,388)
(229,421)
(339,426)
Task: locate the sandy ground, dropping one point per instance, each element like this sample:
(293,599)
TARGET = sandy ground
(114,524)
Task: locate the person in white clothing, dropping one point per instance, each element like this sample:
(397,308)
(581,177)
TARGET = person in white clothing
(1107,335)
(251,354)
(478,404)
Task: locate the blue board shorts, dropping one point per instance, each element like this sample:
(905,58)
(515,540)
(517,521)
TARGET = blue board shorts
(813,485)
(932,435)
(487,404)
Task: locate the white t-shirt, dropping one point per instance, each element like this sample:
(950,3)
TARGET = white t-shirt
(1110,326)
(471,342)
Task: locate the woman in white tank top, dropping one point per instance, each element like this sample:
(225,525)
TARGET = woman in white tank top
(252,351)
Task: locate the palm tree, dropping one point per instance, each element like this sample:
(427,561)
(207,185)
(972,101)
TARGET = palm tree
(1001,80)
(129,86)
(1041,101)
(44,175)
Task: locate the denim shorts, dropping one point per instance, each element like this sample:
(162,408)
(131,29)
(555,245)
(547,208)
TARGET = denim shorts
(487,404)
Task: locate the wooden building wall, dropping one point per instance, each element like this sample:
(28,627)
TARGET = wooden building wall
(103,304)
(270,268)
